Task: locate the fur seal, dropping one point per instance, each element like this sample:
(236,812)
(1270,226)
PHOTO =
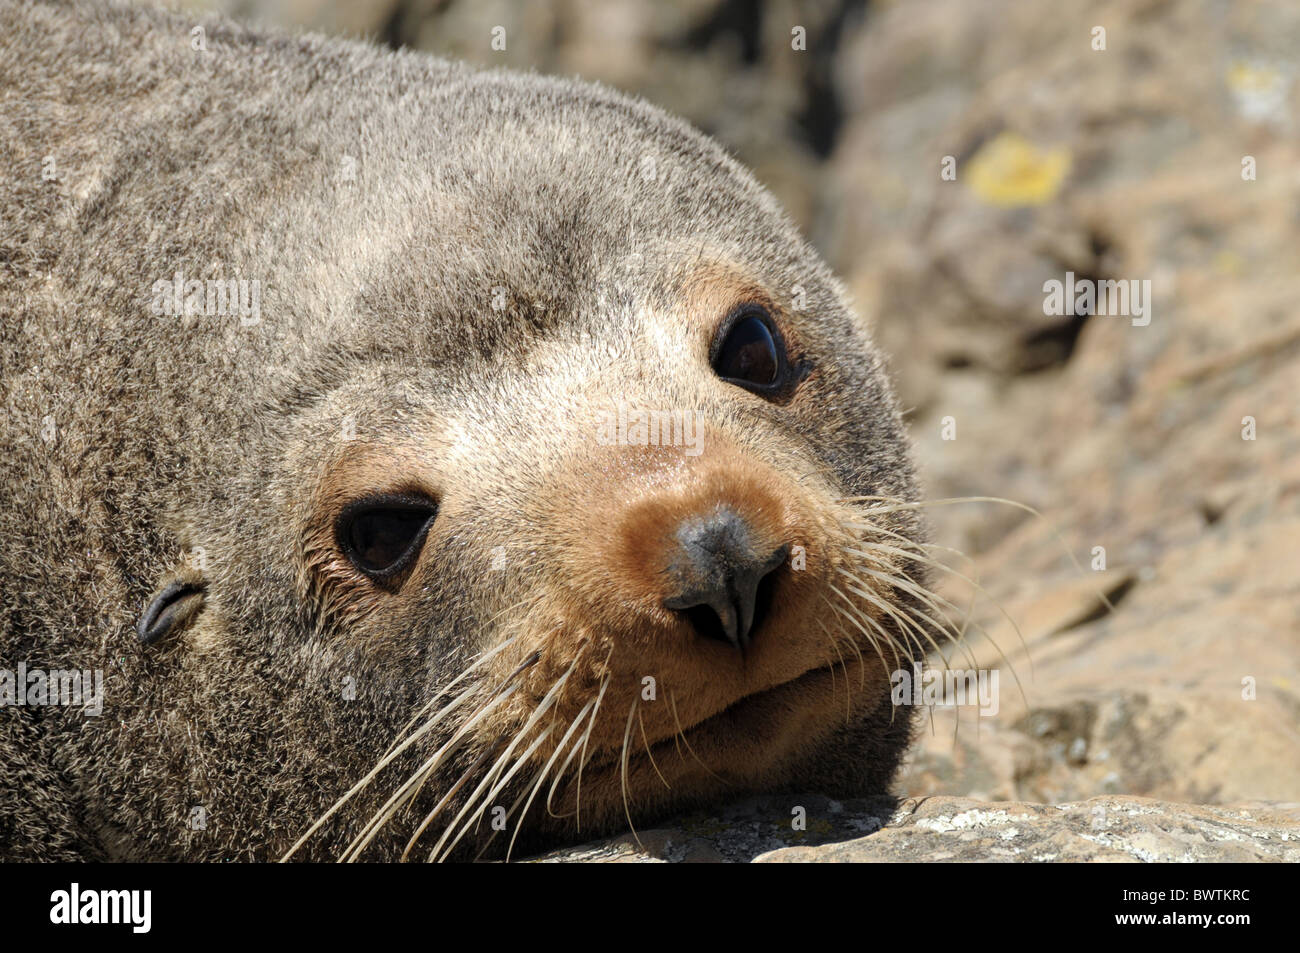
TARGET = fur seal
(435,461)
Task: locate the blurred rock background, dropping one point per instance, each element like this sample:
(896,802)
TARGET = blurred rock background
(1118,155)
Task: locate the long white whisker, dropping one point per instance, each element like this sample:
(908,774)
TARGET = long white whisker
(401,796)
(394,751)
(627,736)
(543,706)
(559,749)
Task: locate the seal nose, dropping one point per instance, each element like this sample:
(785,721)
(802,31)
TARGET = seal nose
(717,575)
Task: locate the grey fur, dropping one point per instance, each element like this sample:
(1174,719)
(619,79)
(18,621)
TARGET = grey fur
(379,198)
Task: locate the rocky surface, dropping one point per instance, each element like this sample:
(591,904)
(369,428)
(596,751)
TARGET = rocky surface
(1123,829)
(1163,453)
(931,829)
(1134,440)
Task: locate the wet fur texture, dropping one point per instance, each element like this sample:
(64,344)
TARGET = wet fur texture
(455,264)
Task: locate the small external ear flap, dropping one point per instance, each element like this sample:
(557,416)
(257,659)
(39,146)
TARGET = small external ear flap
(174,605)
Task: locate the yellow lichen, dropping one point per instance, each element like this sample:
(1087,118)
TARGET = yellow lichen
(1011,171)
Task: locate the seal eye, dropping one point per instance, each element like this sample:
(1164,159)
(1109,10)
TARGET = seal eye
(750,353)
(383,535)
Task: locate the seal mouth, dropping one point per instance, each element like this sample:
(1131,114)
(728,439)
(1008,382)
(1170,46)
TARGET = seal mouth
(753,742)
(737,710)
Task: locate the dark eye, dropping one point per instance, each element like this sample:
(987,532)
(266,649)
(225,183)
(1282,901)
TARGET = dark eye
(750,353)
(383,535)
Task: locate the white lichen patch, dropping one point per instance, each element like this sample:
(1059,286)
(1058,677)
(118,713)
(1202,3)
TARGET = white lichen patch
(970,820)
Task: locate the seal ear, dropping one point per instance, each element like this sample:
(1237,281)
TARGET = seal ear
(175,603)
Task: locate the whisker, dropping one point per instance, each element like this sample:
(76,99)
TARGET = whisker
(913,616)
(862,681)
(991,641)
(848,691)
(975,586)
(519,763)
(446,798)
(485,657)
(854,613)
(915,551)
(897,505)
(649,754)
(852,643)
(586,735)
(875,643)
(577,804)
(686,741)
(548,700)
(627,735)
(401,796)
(559,748)
(394,751)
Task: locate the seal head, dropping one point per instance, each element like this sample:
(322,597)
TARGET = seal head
(551,484)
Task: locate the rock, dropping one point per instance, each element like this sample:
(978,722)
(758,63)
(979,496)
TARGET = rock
(1169,449)
(930,829)
(740,831)
(1124,829)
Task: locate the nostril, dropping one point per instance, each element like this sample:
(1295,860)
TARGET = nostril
(706,623)
(721,585)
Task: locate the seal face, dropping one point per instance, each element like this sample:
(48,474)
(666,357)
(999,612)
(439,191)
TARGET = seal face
(554,487)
